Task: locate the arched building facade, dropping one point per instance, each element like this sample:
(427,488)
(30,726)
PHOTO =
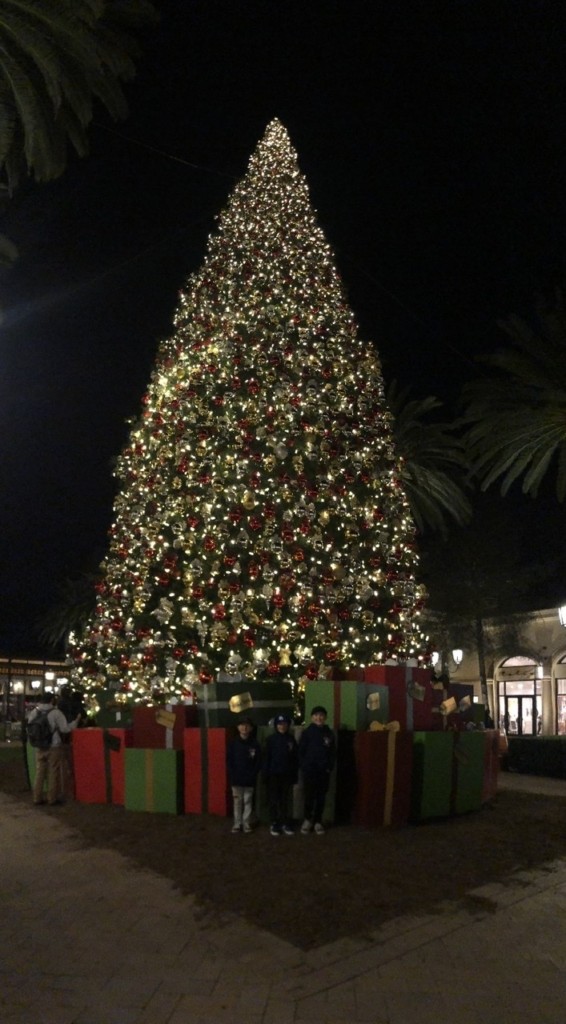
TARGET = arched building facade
(526,676)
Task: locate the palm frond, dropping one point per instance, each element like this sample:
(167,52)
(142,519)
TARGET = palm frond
(57,58)
(433,461)
(515,421)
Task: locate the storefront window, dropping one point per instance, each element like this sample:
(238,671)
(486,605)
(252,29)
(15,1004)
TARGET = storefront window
(520,702)
(561,707)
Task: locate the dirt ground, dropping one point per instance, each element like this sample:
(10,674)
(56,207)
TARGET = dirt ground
(311,890)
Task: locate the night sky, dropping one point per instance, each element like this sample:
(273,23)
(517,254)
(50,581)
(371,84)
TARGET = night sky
(433,139)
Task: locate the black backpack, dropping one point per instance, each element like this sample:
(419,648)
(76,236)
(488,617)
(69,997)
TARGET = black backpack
(39,732)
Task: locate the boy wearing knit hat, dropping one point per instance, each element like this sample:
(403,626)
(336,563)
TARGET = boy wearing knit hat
(317,752)
(280,772)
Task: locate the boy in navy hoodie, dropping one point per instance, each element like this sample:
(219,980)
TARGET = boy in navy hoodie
(243,760)
(280,771)
(317,751)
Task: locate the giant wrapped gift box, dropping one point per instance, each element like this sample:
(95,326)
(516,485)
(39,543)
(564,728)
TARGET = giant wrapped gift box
(350,704)
(411,695)
(383,787)
(98,764)
(468,771)
(113,713)
(222,704)
(154,780)
(490,765)
(464,712)
(433,760)
(30,762)
(162,726)
(206,789)
(461,692)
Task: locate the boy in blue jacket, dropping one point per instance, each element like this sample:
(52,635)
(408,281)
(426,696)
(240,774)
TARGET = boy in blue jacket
(243,760)
(281,772)
(317,751)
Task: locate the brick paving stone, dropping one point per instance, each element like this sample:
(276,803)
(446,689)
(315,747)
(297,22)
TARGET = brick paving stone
(342,1001)
(401,1007)
(253,1000)
(115,1014)
(159,1008)
(370,1000)
(313,1008)
(279,1010)
(181,982)
(195,1007)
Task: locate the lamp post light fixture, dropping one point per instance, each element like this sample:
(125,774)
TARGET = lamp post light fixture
(457,655)
(562,615)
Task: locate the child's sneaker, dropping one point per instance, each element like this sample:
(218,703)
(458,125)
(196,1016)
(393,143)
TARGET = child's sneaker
(306,826)
(288,831)
(275,830)
(236,828)
(248,829)
(319,829)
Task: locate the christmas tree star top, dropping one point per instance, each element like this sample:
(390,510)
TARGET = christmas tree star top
(261,529)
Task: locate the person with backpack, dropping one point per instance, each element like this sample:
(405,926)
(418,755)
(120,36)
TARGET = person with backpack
(45,726)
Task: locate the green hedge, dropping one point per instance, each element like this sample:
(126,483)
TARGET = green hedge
(538,755)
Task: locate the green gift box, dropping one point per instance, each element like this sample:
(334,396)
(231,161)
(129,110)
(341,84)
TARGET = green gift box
(468,775)
(222,704)
(112,714)
(350,704)
(154,780)
(433,758)
(30,763)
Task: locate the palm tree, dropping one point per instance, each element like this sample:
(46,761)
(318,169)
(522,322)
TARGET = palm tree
(72,608)
(434,462)
(57,57)
(516,419)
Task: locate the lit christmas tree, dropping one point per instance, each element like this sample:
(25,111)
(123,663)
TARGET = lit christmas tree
(261,529)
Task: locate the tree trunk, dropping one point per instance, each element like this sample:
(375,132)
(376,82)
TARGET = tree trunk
(480,646)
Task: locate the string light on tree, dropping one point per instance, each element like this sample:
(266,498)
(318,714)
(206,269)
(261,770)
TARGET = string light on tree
(260,527)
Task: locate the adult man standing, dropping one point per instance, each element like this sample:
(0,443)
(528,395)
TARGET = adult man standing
(49,760)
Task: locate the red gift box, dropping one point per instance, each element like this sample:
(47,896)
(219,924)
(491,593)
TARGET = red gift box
(410,695)
(159,728)
(206,778)
(387,675)
(98,764)
(384,764)
(356,674)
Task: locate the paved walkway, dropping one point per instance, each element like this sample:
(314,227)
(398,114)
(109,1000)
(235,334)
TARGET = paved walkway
(86,940)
